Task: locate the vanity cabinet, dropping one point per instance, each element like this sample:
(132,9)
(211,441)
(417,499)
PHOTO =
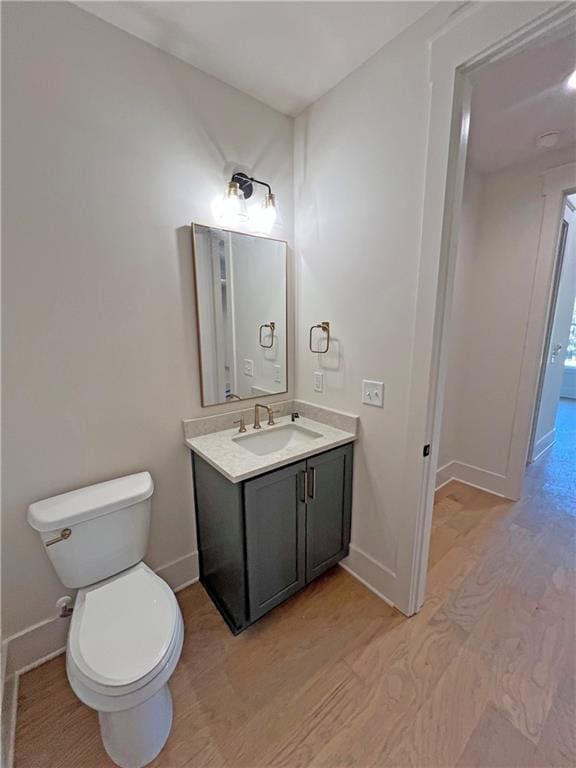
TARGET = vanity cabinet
(275,531)
(263,539)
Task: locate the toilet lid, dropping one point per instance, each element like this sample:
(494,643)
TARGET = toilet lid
(124,627)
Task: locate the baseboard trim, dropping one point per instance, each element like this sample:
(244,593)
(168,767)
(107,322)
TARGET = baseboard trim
(42,641)
(180,573)
(365,583)
(449,480)
(544,444)
(444,475)
(373,575)
(35,645)
(483,479)
(9,704)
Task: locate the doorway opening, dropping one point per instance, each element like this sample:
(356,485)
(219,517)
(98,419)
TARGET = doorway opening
(498,295)
(555,406)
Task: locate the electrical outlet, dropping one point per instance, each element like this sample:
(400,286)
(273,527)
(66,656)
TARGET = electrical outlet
(373,393)
(248,367)
(318,381)
(277,372)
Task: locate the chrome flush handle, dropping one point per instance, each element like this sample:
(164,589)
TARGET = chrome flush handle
(65,533)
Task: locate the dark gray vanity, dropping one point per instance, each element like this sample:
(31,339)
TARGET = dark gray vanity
(273,495)
(262,539)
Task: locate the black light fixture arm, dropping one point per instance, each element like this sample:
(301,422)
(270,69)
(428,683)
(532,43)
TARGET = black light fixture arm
(246,184)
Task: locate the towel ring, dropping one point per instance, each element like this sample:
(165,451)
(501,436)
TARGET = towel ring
(325,327)
(272,326)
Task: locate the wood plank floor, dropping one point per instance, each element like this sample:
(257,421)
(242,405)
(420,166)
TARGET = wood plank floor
(483,677)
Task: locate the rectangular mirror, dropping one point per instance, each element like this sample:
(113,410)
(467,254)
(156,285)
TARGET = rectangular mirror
(241,314)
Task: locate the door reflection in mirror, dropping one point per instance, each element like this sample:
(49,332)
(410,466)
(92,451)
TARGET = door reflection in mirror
(241,314)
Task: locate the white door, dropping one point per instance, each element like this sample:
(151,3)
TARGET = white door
(551,382)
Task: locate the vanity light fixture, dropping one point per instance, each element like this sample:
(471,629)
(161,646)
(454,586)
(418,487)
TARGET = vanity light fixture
(233,211)
(240,188)
(266,215)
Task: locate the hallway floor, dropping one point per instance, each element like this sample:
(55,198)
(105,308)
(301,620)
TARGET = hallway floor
(484,676)
(554,474)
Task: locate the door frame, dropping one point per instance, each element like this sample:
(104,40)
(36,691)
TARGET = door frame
(556,182)
(479,35)
(561,242)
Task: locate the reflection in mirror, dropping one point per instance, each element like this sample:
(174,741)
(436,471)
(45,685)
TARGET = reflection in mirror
(241,314)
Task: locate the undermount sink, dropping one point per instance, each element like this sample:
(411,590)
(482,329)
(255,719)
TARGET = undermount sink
(276,439)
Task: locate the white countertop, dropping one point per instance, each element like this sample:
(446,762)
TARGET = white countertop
(237,463)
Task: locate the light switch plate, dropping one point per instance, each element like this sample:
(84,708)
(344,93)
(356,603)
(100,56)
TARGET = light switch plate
(318,381)
(248,367)
(373,393)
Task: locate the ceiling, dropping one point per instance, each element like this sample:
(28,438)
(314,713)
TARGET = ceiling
(286,54)
(517,99)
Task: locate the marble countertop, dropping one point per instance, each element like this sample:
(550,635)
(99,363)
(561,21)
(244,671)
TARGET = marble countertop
(237,463)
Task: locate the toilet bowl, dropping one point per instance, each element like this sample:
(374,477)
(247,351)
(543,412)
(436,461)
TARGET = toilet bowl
(124,642)
(126,632)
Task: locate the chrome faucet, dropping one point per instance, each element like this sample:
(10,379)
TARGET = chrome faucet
(257,424)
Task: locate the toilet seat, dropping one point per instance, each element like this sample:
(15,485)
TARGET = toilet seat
(124,632)
(116,699)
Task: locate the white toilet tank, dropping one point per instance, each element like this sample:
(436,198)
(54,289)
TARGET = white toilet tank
(95,532)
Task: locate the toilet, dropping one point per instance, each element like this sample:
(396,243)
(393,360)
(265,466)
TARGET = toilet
(126,632)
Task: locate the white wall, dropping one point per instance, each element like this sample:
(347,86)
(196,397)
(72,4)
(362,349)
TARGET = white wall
(496,298)
(460,316)
(361,172)
(498,306)
(361,155)
(110,149)
(492,312)
(360,166)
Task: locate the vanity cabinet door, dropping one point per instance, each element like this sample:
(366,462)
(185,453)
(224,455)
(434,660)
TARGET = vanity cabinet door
(328,510)
(275,520)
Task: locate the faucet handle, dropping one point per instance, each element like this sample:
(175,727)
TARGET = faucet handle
(242,424)
(294,415)
(271,413)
